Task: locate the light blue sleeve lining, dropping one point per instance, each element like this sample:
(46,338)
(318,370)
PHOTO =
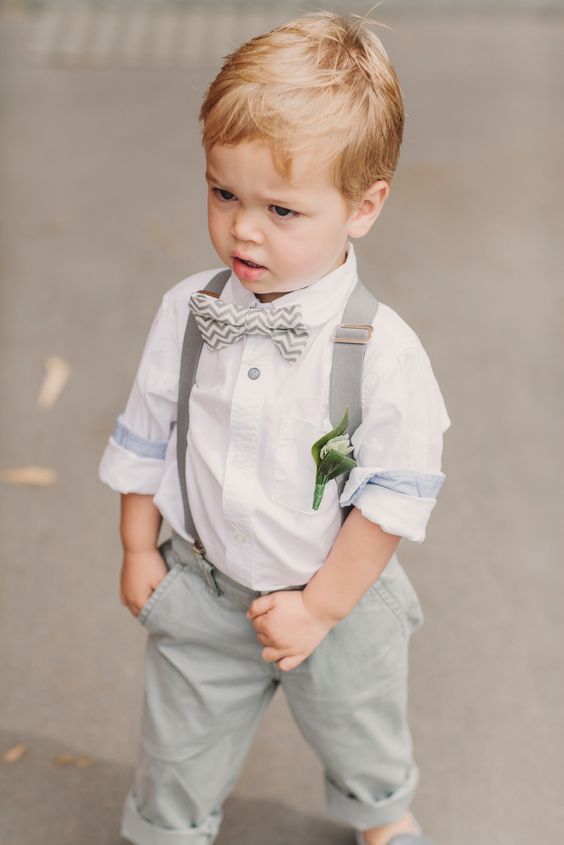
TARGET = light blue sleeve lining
(421,484)
(412,483)
(140,446)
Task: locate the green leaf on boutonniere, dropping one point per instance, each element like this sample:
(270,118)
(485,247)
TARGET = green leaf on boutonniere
(330,456)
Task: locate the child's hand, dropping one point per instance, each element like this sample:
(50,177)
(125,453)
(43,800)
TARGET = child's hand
(141,573)
(287,627)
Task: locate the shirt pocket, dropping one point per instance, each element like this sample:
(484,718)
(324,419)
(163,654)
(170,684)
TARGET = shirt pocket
(293,480)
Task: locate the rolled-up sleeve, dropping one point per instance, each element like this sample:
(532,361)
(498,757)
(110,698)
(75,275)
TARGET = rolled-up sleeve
(398,446)
(133,460)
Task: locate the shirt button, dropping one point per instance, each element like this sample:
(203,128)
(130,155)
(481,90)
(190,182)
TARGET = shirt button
(254,372)
(240,537)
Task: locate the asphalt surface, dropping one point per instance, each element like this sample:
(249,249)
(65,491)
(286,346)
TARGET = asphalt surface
(101,211)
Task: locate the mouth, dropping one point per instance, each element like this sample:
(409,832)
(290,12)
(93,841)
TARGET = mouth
(247,261)
(246,269)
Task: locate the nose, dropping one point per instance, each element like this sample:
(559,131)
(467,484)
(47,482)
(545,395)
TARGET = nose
(244,227)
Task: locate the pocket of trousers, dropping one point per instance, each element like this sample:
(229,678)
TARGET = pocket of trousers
(174,569)
(397,593)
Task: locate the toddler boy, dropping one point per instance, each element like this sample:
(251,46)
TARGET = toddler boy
(301,129)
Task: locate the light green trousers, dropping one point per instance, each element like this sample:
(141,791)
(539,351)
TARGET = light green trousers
(206,687)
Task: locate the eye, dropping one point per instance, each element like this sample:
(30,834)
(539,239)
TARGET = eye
(285,213)
(288,212)
(219,194)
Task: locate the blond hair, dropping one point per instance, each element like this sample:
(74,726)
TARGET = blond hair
(321,83)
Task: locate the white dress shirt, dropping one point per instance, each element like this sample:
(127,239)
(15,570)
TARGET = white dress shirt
(254,416)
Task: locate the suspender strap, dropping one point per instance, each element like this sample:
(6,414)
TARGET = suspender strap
(350,340)
(191,348)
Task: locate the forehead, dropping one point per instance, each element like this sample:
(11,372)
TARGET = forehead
(250,164)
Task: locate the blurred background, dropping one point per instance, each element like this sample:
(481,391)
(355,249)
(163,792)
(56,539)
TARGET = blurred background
(102,209)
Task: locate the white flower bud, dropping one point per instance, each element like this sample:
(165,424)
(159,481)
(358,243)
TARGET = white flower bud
(337,444)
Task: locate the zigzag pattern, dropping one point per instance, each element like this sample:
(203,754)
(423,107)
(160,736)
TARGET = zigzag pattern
(221,323)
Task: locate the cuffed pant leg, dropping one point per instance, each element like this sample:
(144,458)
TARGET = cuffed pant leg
(137,829)
(349,700)
(205,691)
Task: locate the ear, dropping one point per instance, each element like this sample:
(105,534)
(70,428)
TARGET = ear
(362,218)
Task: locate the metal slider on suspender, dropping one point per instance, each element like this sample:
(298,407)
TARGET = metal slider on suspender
(198,549)
(360,326)
(207,569)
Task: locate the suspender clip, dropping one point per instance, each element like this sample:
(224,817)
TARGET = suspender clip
(198,549)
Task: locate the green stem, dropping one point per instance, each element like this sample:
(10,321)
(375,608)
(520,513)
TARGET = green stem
(318,495)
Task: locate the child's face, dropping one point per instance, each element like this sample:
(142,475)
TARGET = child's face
(297,231)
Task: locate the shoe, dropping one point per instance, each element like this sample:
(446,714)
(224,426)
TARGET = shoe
(400,839)
(417,838)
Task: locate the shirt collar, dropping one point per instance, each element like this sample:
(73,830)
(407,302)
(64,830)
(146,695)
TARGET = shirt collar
(320,300)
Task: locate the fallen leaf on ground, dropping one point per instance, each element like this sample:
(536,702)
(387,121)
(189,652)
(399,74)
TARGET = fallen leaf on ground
(39,476)
(80,761)
(57,372)
(14,753)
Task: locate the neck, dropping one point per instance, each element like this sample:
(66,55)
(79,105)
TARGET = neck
(270,296)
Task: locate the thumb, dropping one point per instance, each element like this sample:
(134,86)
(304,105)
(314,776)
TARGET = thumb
(288,663)
(260,605)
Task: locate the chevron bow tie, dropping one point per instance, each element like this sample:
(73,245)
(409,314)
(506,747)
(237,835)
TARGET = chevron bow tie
(222,323)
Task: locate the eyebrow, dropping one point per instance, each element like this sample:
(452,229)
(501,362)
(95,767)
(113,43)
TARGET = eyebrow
(283,202)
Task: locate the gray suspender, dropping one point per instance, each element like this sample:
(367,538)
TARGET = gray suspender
(191,348)
(351,337)
(350,340)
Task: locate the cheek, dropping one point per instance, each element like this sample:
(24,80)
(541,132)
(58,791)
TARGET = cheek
(215,227)
(290,257)
(305,254)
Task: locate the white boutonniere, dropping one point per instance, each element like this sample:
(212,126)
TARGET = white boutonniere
(330,456)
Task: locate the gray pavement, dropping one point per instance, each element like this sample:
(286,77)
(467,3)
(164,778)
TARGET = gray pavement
(102,210)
